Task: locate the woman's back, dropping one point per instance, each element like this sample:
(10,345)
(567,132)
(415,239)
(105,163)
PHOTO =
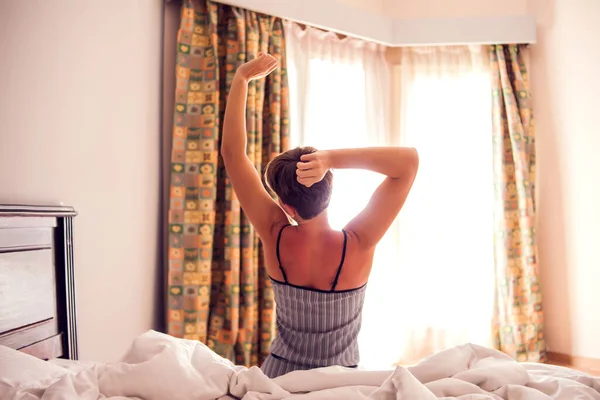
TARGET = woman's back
(318,258)
(318,319)
(311,254)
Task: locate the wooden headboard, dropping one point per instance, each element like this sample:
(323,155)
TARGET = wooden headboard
(37,284)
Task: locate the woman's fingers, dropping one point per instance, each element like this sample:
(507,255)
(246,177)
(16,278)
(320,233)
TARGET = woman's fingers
(308,169)
(306,173)
(305,165)
(269,65)
(268,60)
(308,157)
(261,66)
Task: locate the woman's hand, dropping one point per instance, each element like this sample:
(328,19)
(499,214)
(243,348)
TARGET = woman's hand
(313,167)
(258,68)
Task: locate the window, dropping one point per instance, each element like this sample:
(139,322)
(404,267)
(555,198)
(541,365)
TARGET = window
(445,277)
(431,285)
(337,118)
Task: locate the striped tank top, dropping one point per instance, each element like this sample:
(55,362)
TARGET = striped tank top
(315,328)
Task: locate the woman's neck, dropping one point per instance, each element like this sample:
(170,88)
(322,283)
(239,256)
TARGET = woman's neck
(317,224)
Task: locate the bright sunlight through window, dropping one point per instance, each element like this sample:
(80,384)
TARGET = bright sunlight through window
(338,120)
(445,267)
(431,285)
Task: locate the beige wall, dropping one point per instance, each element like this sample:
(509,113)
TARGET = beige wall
(565,84)
(80,124)
(454,8)
(375,6)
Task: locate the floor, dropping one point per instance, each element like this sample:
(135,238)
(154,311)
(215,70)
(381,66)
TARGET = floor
(589,371)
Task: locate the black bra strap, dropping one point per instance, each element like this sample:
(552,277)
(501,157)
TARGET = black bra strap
(339,271)
(279,259)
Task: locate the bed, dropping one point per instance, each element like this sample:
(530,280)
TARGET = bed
(38,347)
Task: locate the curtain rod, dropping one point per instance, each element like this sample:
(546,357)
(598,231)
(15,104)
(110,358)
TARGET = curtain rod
(345,20)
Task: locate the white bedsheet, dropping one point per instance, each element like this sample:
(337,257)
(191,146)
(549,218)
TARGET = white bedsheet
(160,367)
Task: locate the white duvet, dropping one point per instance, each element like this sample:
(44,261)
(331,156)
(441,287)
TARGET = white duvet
(160,367)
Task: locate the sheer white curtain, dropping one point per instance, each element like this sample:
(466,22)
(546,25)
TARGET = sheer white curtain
(445,286)
(340,97)
(431,284)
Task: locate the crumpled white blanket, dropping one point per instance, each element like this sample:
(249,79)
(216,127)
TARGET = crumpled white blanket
(160,367)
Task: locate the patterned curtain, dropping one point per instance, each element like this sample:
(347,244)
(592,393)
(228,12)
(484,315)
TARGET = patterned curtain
(518,326)
(219,292)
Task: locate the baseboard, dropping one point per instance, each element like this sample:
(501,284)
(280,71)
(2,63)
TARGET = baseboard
(584,364)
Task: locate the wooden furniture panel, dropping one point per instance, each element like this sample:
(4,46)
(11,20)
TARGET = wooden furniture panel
(37,283)
(29,334)
(46,349)
(12,240)
(27,293)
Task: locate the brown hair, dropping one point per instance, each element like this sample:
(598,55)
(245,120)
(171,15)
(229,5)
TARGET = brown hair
(280,176)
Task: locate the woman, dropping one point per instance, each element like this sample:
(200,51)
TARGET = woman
(318,274)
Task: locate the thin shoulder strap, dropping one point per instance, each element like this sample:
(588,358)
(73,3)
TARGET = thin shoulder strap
(278,258)
(339,271)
